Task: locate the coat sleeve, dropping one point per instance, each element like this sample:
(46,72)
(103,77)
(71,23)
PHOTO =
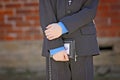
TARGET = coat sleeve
(47,16)
(84,16)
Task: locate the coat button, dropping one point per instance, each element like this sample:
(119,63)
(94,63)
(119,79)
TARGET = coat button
(68,11)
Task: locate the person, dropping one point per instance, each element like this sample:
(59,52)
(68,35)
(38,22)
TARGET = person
(69,19)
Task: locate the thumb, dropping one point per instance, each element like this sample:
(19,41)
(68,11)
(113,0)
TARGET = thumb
(66,56)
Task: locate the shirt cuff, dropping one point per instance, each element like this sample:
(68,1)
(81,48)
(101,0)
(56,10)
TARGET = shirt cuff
(54,51)
(64,29)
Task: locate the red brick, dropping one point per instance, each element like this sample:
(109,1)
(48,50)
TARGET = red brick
(103,14)
(23,24)
(108,31)
(104,7)
(36,30)
(17,31)
(27,19)
(20,36)
(101,22)
(1,5)
(37,24)
(28,37)
(111,28)
(3,25)
(15,18)
(118,34)
(27,11)
(115,7)
(19,0)
(107,34)
(38,37)
(13,5)
(9,38)
(116,21)
(4,12)
(33,17)
(2,31)
(1,38)
(5,0)
(28,32)
(110,1)
(31,4)
(5,36)
(115,14)
(1,19)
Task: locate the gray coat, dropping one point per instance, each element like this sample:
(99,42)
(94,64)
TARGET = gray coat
(78,19)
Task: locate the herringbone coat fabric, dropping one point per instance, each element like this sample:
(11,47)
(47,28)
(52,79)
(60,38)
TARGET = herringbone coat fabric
(78,19)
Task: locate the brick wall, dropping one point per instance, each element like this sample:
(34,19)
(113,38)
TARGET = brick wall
(19,20)
(108,18)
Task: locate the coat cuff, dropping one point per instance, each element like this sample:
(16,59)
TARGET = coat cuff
(64,29)
(56,50)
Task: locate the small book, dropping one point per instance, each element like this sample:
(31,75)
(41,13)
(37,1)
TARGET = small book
(69,45)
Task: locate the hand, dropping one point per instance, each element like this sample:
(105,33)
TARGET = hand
(61,56)
(53,31)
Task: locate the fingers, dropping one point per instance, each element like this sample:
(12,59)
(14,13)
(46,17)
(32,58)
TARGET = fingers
(50,36)
(49,26)
(48,33)
(53,31)
(61,56)
(66,57)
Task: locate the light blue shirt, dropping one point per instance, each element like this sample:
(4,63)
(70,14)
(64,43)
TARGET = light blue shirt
(56,50)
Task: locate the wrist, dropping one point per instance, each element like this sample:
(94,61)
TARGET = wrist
(63,27)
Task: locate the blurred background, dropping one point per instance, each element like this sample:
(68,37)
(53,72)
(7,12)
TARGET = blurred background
(21,41)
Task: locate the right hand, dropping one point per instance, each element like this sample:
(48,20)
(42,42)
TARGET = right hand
(53,31)
(61,56)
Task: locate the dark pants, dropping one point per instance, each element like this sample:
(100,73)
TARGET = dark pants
(82,69)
